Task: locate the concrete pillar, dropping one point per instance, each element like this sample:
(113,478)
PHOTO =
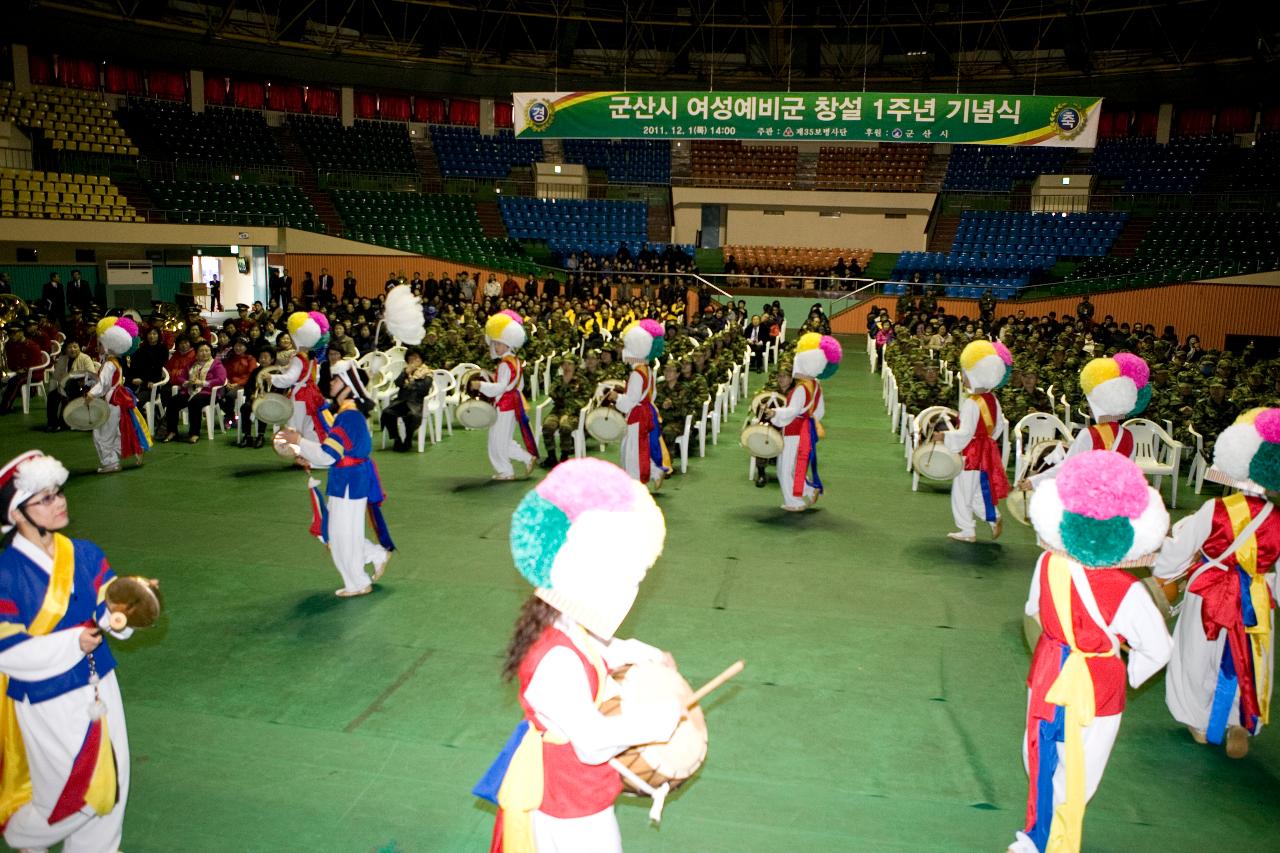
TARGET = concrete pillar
(1164,123)
(197,90)
(486,116)
(347,98)
(21,69)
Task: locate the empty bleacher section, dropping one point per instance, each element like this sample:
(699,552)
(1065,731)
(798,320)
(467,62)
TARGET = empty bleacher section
(443,226)
(368,146)
(69,120)
(1186,246)
(571,226)
(1248,169)
(1003,251)
(785,259)
(59,195)
(463,153)
(1146,166)
(636,161)
(995,168)
(170,131)
(892,168)
(725,163)
(218,203)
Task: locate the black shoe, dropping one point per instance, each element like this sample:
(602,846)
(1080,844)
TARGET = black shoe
(257,442)
(549,462)
(760,481)
(243,442)
(400,447)
(565,457)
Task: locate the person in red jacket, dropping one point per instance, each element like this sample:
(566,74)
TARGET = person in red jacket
(239,366)
(178,365)
(22,355)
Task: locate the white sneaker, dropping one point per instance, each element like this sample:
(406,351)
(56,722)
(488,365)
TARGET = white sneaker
(109,469)
(381,566)
(352,593)
(962,537)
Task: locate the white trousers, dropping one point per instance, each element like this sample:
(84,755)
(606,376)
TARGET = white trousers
(597,833)
(1099,738)
(106,439)
(630,449)
(967,502)
(787,474)
(503,448)
(1192,677)
(53,732)
(302,422)
(350,550)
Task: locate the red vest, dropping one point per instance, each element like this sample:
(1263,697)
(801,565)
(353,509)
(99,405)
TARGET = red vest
(570,788)
(509,400)
(1121,441)
(1109,588)
(813,395)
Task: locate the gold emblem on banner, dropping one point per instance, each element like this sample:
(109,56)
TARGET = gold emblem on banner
(540,114)
(1069,121)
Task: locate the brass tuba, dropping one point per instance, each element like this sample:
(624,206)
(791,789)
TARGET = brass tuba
(173,319)
(13,309)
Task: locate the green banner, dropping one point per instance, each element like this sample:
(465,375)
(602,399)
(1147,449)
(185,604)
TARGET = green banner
(843,116)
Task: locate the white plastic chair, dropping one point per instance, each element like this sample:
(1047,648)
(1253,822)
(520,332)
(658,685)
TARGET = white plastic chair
(1158,454)
(1034,429)
(153,397)
(447,396)
(1199,465)
(32,384)
(682,441)
(704,422)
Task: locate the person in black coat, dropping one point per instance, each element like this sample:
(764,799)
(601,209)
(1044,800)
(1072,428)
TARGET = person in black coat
(146,366)
(308,288)
(54,299)
(349,288)
(79,292)
(324,291)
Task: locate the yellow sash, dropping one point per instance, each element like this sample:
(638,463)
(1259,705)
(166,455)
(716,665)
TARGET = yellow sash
(521,790)
(15,776)
(1073,690)
(1108,432)
(988,416)
(1237,507)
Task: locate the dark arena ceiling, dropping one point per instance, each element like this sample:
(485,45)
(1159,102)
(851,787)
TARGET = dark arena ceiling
(1172,50)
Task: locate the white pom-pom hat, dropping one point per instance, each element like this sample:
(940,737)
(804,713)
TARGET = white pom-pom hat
(27,475)
(986,364)
(505,327)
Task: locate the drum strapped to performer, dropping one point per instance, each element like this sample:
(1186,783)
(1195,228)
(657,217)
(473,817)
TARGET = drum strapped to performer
(605,423)
(86,413)
(932,459)
(474,411)
(270,407)
(1042,456)
(676,760)
(761,438)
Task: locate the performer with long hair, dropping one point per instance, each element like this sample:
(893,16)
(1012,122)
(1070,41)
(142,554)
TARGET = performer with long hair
(978,489)
(645,455)
(1099,514)
(354,490)
(65,748)
(505,334)
(552,782)
(1116,388)
(817,357)
(1220,681)
(310,334)
(125,432)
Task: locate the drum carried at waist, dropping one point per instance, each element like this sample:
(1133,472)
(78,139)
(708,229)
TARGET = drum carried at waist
(604,423)
(932,459)
(674,761)
(271,407)
(474,411)
(761,438)
(1043,456)
(86,413)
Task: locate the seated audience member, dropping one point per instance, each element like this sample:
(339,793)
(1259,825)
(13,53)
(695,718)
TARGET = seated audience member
(205,374)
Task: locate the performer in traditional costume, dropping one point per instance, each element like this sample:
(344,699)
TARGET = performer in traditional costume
(354,490)
(505,334)
(979,488)
(645,455)
(817,357)
(1219,683)
(125,432)
(552,782)
(1097,515)
(310,334)
(1117,389)
(65,776)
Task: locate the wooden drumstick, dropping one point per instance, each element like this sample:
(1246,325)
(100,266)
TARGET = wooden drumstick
(720,679)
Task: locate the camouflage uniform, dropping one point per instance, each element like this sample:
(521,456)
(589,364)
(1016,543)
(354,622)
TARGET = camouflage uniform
(568,396)
(1212,417)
